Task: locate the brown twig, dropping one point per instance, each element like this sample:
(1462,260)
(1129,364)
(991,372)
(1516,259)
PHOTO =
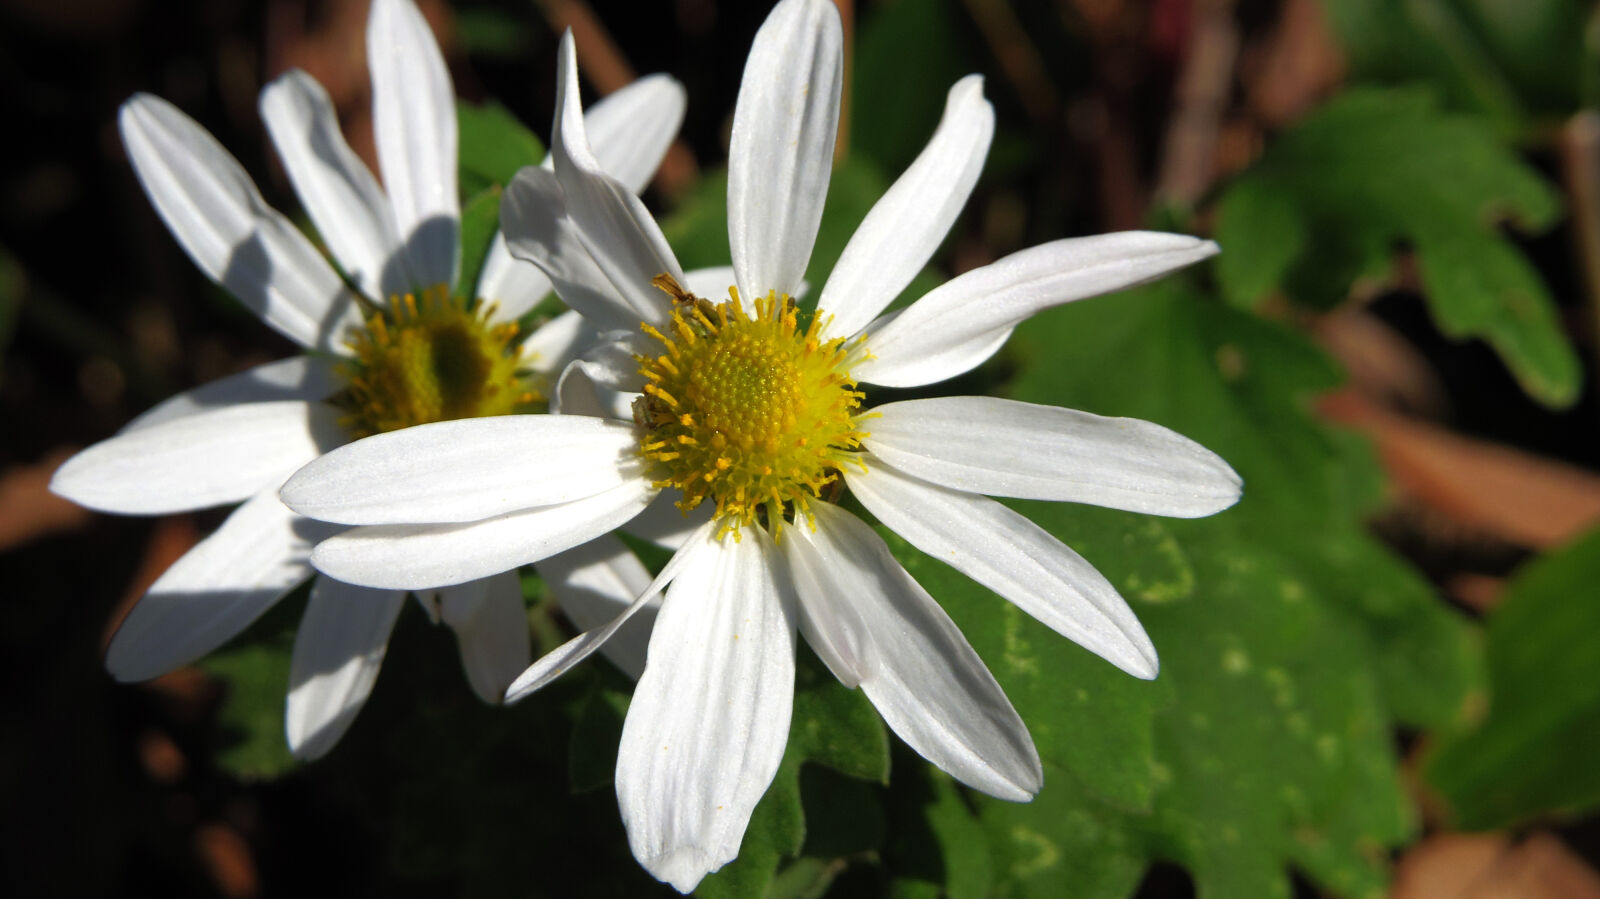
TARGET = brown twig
(1187,160)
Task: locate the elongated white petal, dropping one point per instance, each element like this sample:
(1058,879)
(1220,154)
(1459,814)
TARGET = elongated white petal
(963,321)
(416,557)
(215,590)
(336,188)
(611,221)
(596,582)
(414,123)
(513,285)
(631,129)
(308,378)
(1004,551)
(982,444)
(214,210)
(464,470)
(664,524)
(337,652)
(558,661)
(878,624)
(491,624)
(780,152)
(557,342)
(709,719)
(195,461)
(906,225)
(533,213)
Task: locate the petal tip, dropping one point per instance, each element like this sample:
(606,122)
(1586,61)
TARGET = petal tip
(683,868)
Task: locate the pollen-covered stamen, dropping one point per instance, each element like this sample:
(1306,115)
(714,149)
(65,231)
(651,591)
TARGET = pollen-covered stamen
(433,357)
(754,413)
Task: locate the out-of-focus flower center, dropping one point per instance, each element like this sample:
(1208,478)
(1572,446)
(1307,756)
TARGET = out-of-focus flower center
(755,413)
(435,357)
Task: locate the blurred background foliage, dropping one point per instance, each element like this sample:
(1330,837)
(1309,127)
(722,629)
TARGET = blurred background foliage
(1380,671)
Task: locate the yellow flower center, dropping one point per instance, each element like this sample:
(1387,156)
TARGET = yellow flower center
(435,357)
(755,413)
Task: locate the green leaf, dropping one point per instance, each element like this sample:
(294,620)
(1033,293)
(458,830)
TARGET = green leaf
(480,221)
(937,846)
(1288,637)
(1535,752)
(494,145)
(1378,169)
(899,96)
(255,672)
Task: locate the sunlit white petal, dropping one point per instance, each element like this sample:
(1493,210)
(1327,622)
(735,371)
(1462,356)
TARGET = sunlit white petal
(337,652)
(308,378)
(414,124)
(958,324)
(1004,551)
(464,470)
(214,210)
(780,151)
(631,129)
(710,717)
(195,461)
(1005,448)
(906,225)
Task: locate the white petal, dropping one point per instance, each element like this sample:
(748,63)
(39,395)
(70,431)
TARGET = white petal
(308,378)
(215,590)
(711,283)
(709,719)
(336,188)
(963,321)
(214,210)
(558,661)
(1004,551)
(982,444)
(664,524)
(205,459)
(416,557)
(579,391)
(908,656)
(513,285)
(557,342)
(337,652)
(631,129)
(533,212)
(414,124)
(611,221)
(464,470)
(905,226)
(491,624)
(598,581)
(780,152)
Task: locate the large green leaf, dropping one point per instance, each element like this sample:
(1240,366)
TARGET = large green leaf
(493,146)
(1338,195)
(1535,752)
(1291,642)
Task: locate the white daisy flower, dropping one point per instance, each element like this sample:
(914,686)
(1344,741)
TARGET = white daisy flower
(400,350)
(749,408)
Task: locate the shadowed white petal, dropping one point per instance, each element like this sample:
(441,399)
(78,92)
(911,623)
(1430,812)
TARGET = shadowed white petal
(464,470)
(308,378)
(336,188)
(204,459)
(611,221)
(631,129)
(906,225)
(513,285)
(710,717)
(879,627)
(215,590)
(780,152)
(1004,551)
(414,125)
(214,210)
(664,524)
(982,444)
(491,624)
(962,322)
(553,345)
(579,392)
(533,212)
(416,557)
(337,652)
(596,582)
(559,660)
